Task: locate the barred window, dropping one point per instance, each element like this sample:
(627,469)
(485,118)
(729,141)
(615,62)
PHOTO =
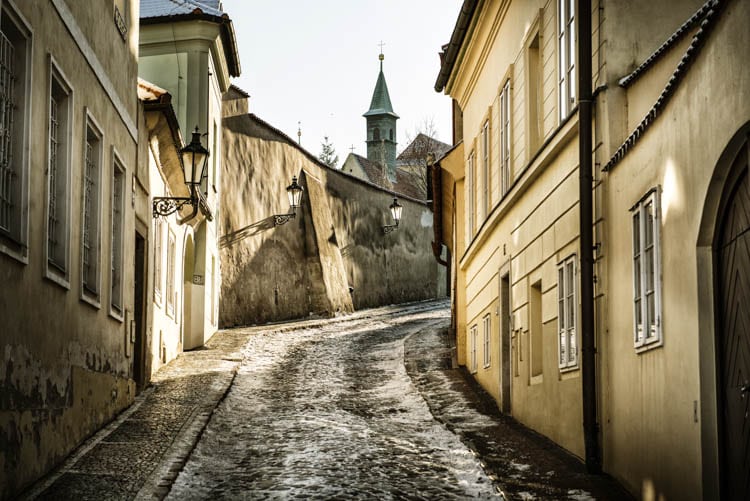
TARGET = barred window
(58,173)
(15,45)
(117,208)
(91,208)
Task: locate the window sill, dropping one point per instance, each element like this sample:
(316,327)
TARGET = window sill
(569,372)
(648,346)
(487,366)
(57,279)
(115,314)
(91,300)
(19,255)
(535,380)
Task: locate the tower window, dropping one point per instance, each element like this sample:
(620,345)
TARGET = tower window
(391,134)
(376,134)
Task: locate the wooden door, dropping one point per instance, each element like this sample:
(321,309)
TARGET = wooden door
(734,336)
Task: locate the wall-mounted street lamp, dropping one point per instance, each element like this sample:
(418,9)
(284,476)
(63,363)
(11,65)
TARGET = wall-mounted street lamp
(396,209)
(194,160)
(294,192)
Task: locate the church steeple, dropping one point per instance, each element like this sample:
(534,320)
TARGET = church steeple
(381,126)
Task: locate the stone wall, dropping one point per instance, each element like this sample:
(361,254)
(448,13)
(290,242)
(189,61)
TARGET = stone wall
(333,257)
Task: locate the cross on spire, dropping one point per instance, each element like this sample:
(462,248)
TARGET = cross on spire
(381,44)
(352,149)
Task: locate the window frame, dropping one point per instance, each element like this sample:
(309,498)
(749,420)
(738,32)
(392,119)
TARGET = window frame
(567,304)
(117,241)
(471,194)
(171,286)
(487,340)
(640,271)
(485,139)
(158,251)
(92,295)
(566,57)
(473,335)
(57,268)
(504,136)
(14,241)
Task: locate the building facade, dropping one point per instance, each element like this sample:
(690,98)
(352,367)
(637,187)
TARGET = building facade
(71,245)
(670,139)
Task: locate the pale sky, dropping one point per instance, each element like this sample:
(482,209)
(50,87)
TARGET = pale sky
(316,62)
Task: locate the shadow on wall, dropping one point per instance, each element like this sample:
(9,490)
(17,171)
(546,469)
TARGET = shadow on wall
(248,231)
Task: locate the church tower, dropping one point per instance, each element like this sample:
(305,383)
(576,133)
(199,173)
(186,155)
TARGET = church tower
(381,127)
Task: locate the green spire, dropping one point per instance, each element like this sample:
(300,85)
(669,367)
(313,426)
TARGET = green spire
(381,101)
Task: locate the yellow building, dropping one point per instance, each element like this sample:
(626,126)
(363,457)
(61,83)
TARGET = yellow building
(671,110)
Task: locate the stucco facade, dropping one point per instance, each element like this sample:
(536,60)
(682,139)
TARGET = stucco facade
(671,119)
(333,257)
(68,247)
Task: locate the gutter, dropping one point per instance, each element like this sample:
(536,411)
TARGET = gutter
(437,211)
(450,52)
(585,201)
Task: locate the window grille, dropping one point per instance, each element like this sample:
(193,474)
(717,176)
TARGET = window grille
(157,258)
(505,139)
(8,177)
(117,219)
(53,243)
(171,294)
(90,214)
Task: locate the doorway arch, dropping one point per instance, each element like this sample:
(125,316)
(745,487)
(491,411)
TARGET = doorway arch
(714,297)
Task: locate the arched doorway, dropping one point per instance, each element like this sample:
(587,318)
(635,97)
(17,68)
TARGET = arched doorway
(188,265)
(732,251)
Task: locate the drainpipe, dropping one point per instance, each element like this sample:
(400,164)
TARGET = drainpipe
(588,341)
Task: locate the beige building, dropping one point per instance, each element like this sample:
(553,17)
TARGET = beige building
(190,51)
(72,239)
(669,231)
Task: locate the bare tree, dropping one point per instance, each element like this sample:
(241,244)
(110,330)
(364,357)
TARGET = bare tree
(422,150)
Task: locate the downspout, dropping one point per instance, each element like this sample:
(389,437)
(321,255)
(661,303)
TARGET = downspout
(585,186)
(437,211)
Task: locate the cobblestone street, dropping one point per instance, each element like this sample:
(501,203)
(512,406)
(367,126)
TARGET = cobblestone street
(365,406)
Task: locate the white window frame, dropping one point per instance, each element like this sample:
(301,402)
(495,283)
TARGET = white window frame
(567,314)
(158,251)
(470,195)
(14,179)
(171,289)
(504,138)
(642,287)
(91,230)
(566,59)
(486,326)
(117,233)
(485,169)
(473,334)
(59,149)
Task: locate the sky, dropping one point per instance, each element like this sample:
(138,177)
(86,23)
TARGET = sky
(315,62)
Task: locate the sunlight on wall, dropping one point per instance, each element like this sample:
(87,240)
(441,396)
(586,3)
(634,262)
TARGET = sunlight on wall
(648,491)
(671,193)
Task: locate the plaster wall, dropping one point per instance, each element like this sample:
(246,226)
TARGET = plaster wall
(65,362)
(662,403)
(336,242)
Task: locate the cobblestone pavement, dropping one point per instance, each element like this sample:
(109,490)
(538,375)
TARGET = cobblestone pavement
(364,406)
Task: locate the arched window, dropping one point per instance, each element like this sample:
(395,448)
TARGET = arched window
(376,134)
(391,134)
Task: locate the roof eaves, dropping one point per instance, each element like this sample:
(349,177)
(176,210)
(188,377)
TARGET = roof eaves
(457,40)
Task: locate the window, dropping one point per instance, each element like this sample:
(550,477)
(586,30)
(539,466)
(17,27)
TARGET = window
(213,290)
(376,134)
(505,139)
(158,237)
(486,169)
(486,332)
(470,198)
(534,112)
(171,292)
(117,209)
(122,17)
(215,157)
(58,172)
(15,72)
(535,329)
(566,48)
(647,271)
(473,334)
(91,207)
(566,313)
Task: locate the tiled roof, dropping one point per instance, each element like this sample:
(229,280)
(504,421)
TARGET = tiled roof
(422,145)
(151,92)
(165,8)
(405,183)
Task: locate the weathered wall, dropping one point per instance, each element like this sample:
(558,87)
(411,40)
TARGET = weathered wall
(336,242)
(64,364)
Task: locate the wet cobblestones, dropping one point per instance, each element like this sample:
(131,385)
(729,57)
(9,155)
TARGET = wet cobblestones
(360,407)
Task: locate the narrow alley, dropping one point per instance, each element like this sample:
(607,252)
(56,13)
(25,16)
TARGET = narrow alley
(364,406)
